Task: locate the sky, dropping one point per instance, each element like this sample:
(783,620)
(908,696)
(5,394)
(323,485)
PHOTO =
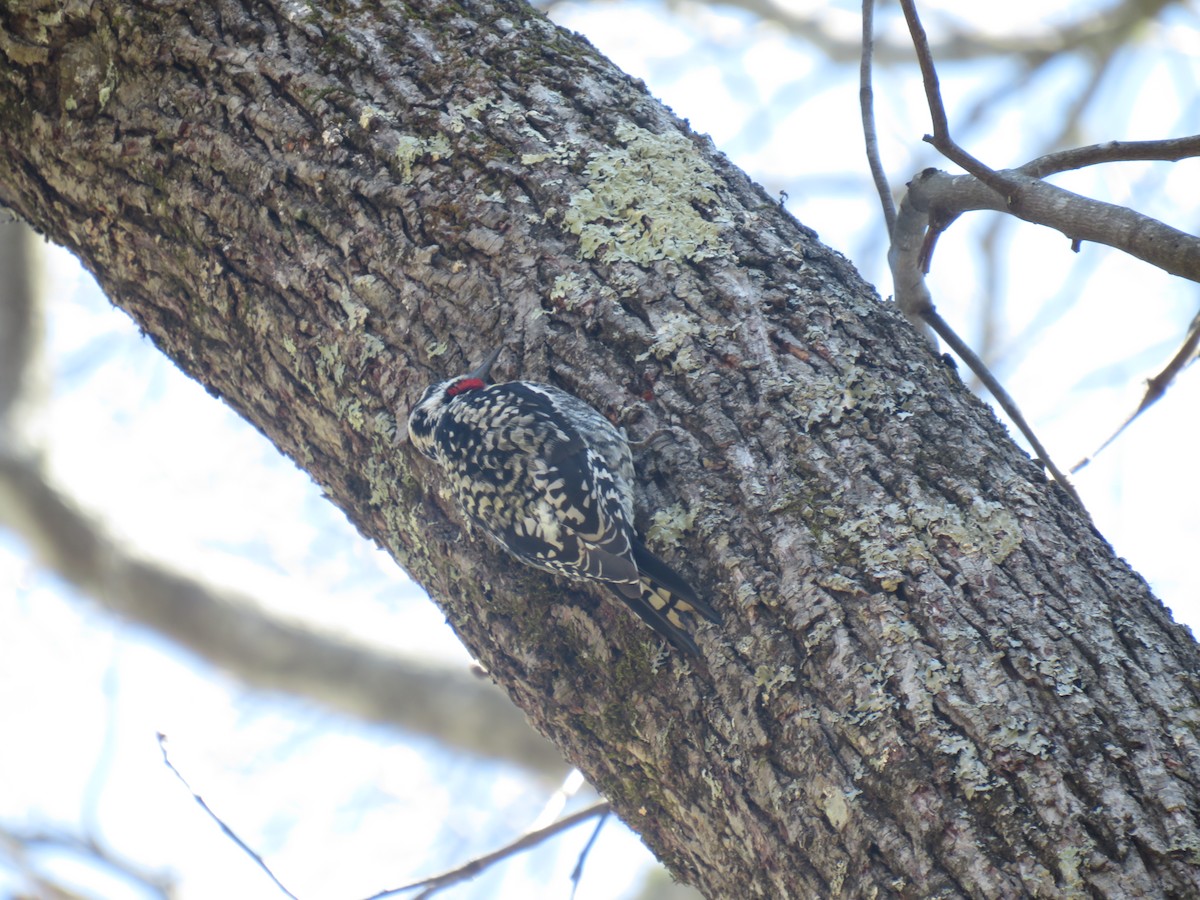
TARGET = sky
(341,809)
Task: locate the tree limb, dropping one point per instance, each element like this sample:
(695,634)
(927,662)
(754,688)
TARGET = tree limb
(456,708)
(318,216)
(866,98)
(471,868)
(1079,218)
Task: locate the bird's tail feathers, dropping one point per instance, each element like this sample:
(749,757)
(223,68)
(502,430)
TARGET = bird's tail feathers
(666,602)
(657,571)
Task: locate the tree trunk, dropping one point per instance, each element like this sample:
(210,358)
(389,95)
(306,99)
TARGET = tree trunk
(933,679)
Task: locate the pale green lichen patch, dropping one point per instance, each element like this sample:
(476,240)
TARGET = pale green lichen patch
(108,85)
(835,581)
(563,154)
(1065,676)
(367,115)
(832,399)
(889,538)
(818,634)
(356,313)
(989,528)
(879,702)
(459,115)
(385,426)
(370,347)
(1069,859)
(350,410)
(881,554)
(674,339)
(969,771)
(771,679)
(567,290)
(377,479)
(641,202)
(375,291)
(410,149)
(1023,735)
(835,807)
(670,524)
(937,676)
(330,364)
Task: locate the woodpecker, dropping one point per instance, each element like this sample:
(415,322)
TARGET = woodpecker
(551,480)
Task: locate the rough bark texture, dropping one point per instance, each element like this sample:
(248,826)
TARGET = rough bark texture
(934,677)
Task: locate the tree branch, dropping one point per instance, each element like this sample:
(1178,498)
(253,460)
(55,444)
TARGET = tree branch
(225,829)
(866,99)
(905,257)
(917,631)
(1166,150)
(1079,218)
(470,869)
(1156,386)
(444,702)
(941,138)
(1021,193)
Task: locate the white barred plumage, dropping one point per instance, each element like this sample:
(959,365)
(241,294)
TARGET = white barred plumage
(551,480)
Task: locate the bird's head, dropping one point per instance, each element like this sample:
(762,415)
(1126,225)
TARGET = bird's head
(425,416)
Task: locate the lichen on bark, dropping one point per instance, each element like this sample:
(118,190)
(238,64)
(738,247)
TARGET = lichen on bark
(934,678)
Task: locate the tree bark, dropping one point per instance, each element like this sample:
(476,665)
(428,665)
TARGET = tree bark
(934,677)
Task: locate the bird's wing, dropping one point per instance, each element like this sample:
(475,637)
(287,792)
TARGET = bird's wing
(566,512)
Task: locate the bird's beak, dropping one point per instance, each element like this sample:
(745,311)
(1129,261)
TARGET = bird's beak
(486,366)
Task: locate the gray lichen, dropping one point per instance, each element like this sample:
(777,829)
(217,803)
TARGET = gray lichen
(641,203)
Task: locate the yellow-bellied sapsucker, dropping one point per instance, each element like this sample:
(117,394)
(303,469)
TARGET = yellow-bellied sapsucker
(551,480)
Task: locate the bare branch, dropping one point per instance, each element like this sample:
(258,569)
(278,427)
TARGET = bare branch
(1080,218)
(1168,150)
(929,76)
(906,256)
(162,744)
(444,702)
(941,138)
(470,869)
(866,100)
(967,355)
(577,872)
(1156,386)
(1022,193)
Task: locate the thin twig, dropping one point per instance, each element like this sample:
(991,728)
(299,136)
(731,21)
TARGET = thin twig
(1007,186)
(18,850)
(1156,386)
(577,872)
(866,102)
(162,743)
(475,866)
(967,355)
(1169,150)
(941,138)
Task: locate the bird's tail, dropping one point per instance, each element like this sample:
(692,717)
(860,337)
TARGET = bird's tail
(665,602)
